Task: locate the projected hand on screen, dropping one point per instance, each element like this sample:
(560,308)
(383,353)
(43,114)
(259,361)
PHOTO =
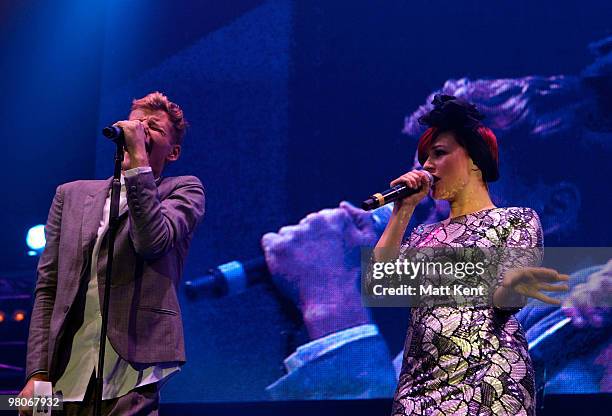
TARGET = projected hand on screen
(316,263)
(588,304)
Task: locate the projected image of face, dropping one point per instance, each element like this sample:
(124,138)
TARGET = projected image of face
(451,167)
(550,159)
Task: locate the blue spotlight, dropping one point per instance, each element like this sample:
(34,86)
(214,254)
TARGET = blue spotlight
(36,239)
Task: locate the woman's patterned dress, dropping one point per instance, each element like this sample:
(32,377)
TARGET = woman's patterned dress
(469,360)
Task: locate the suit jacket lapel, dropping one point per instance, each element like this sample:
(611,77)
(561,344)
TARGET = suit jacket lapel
(93,208)
(92,214)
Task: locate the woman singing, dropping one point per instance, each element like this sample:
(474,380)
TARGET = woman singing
(466,360)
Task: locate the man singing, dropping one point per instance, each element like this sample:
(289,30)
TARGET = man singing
(157,218)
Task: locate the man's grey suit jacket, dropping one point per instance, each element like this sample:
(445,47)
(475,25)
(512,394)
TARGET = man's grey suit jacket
(153,238)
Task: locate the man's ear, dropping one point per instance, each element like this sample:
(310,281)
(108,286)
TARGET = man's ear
(174,154)
(561,208)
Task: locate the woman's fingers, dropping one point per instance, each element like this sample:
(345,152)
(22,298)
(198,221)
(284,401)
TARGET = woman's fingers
(538,279)
(424,177)
(552,279)
(563,277)
(413,179)
(544,274)
(545,298)
(553,288)
(405,179)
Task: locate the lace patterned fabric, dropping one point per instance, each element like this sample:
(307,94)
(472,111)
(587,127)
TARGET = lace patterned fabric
(469,360)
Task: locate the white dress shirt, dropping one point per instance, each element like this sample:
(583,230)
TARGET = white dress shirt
(119,376)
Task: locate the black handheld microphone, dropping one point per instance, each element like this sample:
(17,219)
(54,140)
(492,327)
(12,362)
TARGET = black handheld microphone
(400,191)
(229,278)
(236,276)
(114,133)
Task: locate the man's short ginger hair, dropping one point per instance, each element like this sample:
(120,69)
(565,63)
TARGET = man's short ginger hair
(157,101)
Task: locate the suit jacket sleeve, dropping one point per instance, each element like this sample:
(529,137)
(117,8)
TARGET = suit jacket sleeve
(44,294)
(358,369)
(157,226)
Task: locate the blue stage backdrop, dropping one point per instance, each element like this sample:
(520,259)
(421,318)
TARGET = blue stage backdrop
(295,106)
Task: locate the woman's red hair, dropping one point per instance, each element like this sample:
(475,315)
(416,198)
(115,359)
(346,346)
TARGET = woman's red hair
(431,133)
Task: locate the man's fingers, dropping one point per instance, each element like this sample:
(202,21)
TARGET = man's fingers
(574,313)
(267,239)
(272,242)
(362,219)
(308,217)
(127,123)
(288,230)
(350,208)
(607,268)
(594,317)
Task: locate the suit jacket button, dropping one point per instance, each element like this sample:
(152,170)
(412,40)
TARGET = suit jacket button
(133,188)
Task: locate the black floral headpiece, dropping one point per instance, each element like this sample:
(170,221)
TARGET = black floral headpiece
(450,112)
(463,118)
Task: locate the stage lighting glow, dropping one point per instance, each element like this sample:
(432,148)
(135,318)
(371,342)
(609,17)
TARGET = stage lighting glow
(36,237)
(2,317)
(19,316)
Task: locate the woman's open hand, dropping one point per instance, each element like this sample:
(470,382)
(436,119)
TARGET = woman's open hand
(533,281)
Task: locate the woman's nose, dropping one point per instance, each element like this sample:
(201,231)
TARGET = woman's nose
(428,166)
